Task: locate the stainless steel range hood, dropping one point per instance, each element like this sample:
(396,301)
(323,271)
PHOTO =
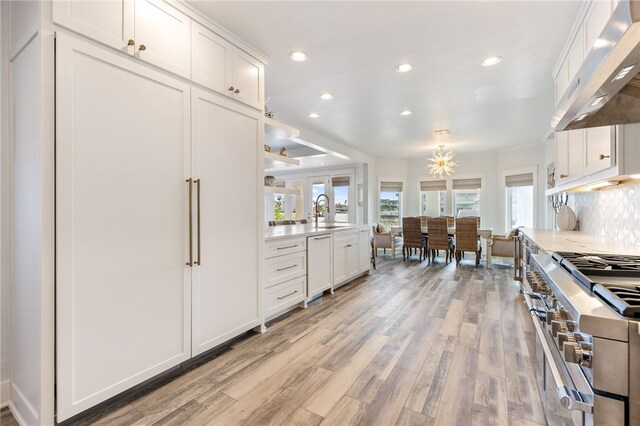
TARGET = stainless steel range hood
(606,88)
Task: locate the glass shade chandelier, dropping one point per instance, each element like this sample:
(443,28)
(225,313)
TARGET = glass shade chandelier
(442,163)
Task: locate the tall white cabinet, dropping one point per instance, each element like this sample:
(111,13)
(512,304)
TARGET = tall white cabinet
(226,164)
(157,211)
(123,288)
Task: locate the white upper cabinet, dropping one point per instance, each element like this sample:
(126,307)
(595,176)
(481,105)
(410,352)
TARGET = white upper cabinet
(220,66)
(151,30)
(576,57)
(595,22)
(599,148)
(212,62)
(109,21)
(162,36)
(562,157)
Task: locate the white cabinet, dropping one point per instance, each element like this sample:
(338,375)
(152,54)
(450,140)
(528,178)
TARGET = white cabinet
(575,57)
(165,34)
(599,148)
(220,66)
(123,290)
(364,248)
(576,153)
(225,280)
(159,34)
(346,259)
(285,277)
(319,265)
(595,22)
(562,157)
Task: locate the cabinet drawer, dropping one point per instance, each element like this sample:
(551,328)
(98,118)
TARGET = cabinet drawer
(280,247)
(284,268)
(284,295)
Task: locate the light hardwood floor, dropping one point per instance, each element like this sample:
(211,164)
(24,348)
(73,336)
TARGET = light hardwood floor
(410,344)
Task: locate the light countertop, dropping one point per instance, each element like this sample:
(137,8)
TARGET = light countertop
(288,231)
(551,240)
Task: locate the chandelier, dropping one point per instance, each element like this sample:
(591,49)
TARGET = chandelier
(441,163)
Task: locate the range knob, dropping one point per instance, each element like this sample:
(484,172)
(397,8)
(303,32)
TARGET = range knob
(568,337)
(578,353)
(561,326)
(560,314)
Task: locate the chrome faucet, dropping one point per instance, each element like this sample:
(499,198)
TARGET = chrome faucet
(326,197)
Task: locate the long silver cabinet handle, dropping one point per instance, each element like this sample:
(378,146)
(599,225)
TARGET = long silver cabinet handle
(284,269)
(322,238)
(570,398)
(287,295)
(190,186)
(287,247)
(197,182)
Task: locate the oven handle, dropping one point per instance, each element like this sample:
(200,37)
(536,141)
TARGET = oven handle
(570,398)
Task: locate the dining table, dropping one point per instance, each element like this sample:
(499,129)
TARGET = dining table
(486,234)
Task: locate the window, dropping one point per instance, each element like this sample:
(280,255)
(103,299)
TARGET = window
(466,197)
(390,203)
(520,200)
(433,198)
(340,186)
(278,207)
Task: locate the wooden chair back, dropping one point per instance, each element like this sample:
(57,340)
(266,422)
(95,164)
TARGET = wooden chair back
(424,221)
(467,234)
(451,221)
(411,232)
(438,233)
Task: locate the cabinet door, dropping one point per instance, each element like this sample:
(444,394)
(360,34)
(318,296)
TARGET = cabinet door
(123,293)
(248,79)
(596,21)
(365,250)
(562,157)
(340,261)
(562,82)
(212,59)
(353,258)
(166,35)
(226,141)
(576,55)
(576,153)
(319,272)
(107,21)
(599,145)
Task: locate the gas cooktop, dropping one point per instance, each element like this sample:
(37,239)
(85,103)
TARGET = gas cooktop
(614,278)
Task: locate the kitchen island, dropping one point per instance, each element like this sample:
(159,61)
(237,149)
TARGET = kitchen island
(303,261)
(551,240)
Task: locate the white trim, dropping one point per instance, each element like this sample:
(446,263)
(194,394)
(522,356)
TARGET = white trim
(19,400)
(401,197)
(503,193)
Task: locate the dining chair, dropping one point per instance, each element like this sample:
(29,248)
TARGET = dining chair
(412,237)
(451,221)
(439,239)
(467,238)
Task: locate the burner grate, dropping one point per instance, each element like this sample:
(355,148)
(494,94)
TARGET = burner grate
(626,300)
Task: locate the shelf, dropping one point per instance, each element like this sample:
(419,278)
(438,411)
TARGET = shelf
(279,190)
(277,161)
(277,130)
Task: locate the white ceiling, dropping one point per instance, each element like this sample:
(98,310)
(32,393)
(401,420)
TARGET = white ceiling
(353,48)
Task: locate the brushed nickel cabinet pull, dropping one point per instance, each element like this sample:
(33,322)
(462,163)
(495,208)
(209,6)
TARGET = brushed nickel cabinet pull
(142,48)
(322,238)
(287,295)
(197,182)
(231,88)
(602,156)
(131,42)
(287,247)
(563,176)
(190,183)
(236,91)
(284,269)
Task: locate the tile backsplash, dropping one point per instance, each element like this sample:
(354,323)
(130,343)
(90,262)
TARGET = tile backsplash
(610,213)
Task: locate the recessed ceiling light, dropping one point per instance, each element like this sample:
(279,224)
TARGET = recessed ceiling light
(326,96)
(298,56)
(441,132)
(405,112)
(314,115)
(597,100)
(491,61)
(623,72)
(404,67)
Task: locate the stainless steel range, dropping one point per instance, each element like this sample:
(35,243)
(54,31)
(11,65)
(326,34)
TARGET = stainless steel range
(586,313)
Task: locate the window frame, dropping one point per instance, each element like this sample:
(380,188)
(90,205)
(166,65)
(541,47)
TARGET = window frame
(401,196)
(449,207)
(505,194)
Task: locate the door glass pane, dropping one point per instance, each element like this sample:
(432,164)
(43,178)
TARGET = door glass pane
(316,190)
(278,207)
(466,199)
(433,203)
(341,197)
(297,201)
(390,208)
(520,206)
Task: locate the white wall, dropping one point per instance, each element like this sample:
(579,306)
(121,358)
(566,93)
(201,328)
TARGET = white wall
(492,164)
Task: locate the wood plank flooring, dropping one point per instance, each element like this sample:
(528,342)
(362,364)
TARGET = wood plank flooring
(410,344)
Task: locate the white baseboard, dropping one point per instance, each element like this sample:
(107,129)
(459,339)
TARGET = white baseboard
(5,393)
(21,408)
